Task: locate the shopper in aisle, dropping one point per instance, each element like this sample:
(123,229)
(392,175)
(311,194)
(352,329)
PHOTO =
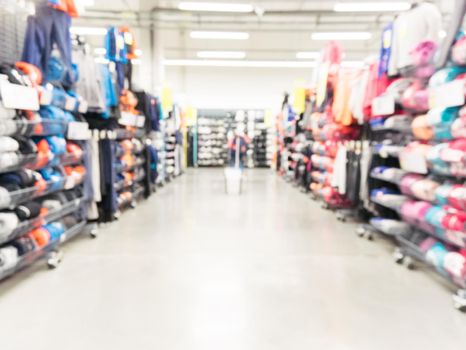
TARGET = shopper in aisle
(238,142)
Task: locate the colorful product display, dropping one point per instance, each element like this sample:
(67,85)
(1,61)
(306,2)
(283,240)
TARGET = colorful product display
(387,143)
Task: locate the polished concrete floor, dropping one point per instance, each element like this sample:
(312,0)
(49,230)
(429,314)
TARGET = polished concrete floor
(193,268)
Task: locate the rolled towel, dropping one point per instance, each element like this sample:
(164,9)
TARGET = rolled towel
(8,159)
(5,199)
(8,144)
(8,258)
(6,113)
(8,222)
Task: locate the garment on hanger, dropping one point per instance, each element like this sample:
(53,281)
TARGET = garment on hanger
(358,87)
(90,84)
(108,89)
(353,176)
(115,46)
(339,171)
(454,25)
(421,23)
(149,106)
(67,6)
(365,163)
(48,28)
(341,107)
(385,49)
(375,87)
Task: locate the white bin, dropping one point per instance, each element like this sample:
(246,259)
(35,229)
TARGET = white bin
(233,177)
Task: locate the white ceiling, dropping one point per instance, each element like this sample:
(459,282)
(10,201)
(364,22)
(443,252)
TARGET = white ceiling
(283,30)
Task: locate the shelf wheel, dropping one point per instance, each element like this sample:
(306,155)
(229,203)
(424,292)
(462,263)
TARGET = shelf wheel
(54,259)
(398,256)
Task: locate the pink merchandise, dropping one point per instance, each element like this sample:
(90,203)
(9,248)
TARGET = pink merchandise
(413,212)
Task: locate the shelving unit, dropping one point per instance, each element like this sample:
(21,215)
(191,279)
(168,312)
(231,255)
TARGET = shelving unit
(212,138)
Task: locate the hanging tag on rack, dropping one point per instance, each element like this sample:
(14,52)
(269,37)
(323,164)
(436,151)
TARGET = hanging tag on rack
(70,104)
(414,162)
(45,96)
(447,95)
(128,119)
(141,121)
(83,106)
(19,97)
(69,183)
(383,105)
(78,131)
(452,155)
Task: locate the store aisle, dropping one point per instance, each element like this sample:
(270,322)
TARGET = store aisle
(195,269)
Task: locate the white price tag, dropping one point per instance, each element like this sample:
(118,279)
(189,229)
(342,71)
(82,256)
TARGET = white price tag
(413,162)
(452,155)
(383,105)
(83,106)
(141,121)
(447,95)
(45,97)
(78,131)
(70,183)
(19,97)
(70,104)
(128,119)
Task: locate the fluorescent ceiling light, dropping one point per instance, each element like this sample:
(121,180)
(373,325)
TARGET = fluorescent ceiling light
(88,31)
(341,36)
(215,7)
(229,63)
(221,54)
(100,51)
(376,6)
(219,35)
(305,55)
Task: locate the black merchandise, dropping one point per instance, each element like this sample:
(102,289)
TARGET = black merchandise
(70,221)
(29,210)
(24,245)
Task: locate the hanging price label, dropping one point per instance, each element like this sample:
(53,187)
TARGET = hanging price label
(45,97)
(413,162)
(19,97)
(70,183)
(383,105)
(78,131)
(83,106)
(70,104)
(141,121)
(128,119)
(447,95)
(452,155)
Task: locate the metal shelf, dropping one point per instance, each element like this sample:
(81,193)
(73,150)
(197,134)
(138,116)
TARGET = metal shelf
(410,249)
(26,194)
(33,162)
(382,178)
(33,256)
(29,225)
